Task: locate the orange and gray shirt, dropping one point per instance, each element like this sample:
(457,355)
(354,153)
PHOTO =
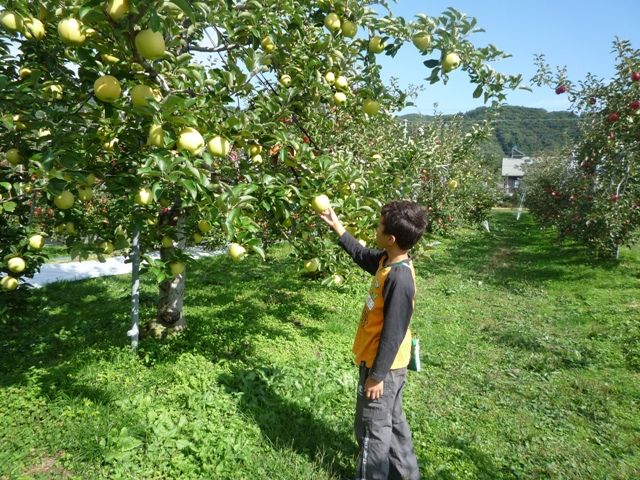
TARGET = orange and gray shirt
(383,339)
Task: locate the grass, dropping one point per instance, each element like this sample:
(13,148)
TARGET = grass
(531,369)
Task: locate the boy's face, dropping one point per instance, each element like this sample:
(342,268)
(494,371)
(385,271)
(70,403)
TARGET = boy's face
(383,240)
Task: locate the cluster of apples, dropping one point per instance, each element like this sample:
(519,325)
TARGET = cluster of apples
(336,25)
(16,265)
(32,28)
(321,203)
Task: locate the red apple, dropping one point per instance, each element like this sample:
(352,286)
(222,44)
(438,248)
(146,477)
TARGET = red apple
(614,197)
(635,105)
(613,117)
(635,77)
(560,89)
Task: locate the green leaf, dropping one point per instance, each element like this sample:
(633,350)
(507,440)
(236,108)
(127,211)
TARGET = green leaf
(259,250)
(431,63)
(190,185)
(186,8)
(154,22)
(477,92)
(9,206)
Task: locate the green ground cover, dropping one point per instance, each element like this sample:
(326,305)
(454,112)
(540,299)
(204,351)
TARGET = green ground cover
(530,351)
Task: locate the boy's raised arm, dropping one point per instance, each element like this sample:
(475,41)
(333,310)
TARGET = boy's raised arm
(366,258)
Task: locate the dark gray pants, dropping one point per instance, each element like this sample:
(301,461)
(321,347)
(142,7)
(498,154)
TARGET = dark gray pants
(386,450)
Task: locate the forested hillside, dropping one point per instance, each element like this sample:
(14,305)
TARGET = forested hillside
(533,131)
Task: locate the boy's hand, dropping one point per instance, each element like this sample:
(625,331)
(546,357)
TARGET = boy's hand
(331,219)
(373,389)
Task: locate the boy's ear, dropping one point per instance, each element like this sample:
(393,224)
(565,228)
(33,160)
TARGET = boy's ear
(392,239)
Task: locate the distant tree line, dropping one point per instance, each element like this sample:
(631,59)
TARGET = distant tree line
(533,131)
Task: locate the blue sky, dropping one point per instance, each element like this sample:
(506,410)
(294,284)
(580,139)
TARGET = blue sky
(578,34)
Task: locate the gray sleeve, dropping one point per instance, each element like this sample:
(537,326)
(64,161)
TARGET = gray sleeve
(367,258)
(398,293)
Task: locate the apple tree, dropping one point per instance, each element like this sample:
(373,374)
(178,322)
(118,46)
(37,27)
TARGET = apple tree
(157,125)
(591,193)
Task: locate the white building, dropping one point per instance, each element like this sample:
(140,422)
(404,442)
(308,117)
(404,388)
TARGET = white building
(512,173)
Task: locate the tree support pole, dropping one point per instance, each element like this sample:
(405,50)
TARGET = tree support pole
(135,287)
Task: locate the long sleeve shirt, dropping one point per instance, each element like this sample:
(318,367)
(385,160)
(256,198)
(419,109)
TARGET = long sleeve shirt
(383,338)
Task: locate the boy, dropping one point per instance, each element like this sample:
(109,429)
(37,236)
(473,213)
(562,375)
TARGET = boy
(382,345)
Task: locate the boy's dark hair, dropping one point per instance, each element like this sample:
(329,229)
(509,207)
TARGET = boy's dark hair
(404,220)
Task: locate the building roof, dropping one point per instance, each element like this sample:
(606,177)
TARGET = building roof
(512,167)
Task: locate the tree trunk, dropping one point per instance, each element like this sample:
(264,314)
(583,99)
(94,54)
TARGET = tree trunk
(170,303)
(169,317)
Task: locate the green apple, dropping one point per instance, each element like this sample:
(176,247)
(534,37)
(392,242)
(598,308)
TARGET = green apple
(267,44)
(285,80)
(255,149)
(107,88)
(64,200)
(141,94)
(36,242)
(117,9)
(16,265)
(312,265)
(321,203)
(376,45)
(70,228)
(24,72)
(450,61)
(197,237)
(106,247)
(370,107)
(452,184)
(204,226)
(85,194)
(330,78)
(422,41)
(339,98)
(341,82)
(237,252)
(348,28)
(167,242)
(257,159)
(70,31)
(11,21)
(144,197)
(191,141)
(52,91)
(13,156)
(150,44)
(9,283)
(155,136)
(33,29)
(337,279)
(332,22)
(176,268)
(109,145)
(110,59)
(219,146)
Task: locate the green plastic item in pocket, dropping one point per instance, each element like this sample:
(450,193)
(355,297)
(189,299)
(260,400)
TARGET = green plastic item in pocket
(414,362)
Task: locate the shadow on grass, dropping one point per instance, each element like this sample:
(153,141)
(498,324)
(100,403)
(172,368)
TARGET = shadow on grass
(57,331)
(58,323)
(63,326)
(288,425)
